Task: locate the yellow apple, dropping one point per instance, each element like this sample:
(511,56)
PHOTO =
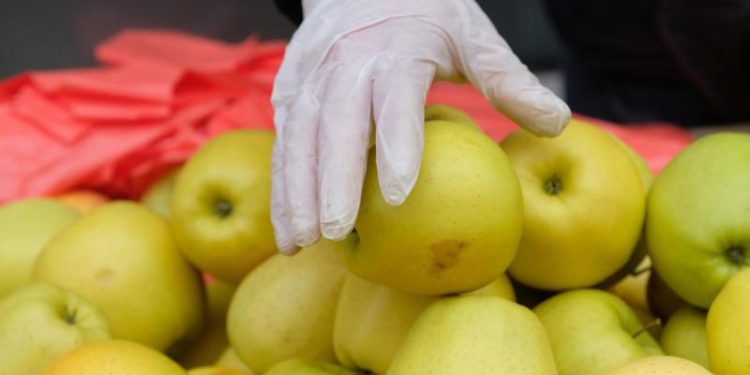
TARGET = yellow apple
(26,226)
(684,335)
(298,366)
(114,357)
(660,365)
(584,203)
(230,359)
(217,370)
(158,196)
(212,340)
(122,258)
(449,113)
(475,335)
(459,228)
(82,200)
(632,288)
(221,204)
(727,329)
(285,307)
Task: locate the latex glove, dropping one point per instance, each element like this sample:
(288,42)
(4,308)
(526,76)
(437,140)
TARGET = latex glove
(354,61)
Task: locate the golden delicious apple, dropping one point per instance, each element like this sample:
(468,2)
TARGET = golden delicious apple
(298,366)
(444,112)
(475,335)
(727,329)
(593,331)
(82,200)
(26,226)
(208,346)
(221,204)
(217,370)
(632,288)
(584,203)
(39,323)
(123,259)
(114,357)
(285,307)
(660,365)
(229,358)
(698,213)
(459,228)
(158,196)
(684,335)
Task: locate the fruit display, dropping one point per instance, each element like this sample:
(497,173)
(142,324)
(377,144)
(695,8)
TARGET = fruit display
(559,256)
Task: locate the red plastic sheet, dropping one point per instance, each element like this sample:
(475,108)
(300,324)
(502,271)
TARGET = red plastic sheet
(160,94)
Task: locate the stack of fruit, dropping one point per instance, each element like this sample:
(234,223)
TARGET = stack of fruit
(537,256)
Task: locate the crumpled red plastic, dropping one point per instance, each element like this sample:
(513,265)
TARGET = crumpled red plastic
(159,94)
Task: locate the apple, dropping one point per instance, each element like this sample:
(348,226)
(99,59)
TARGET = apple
(82,200)
(217,370)
(684,335)
(122,258)
(633,287)
(459,228)
(698,213)
(298,366)
(212,340)
(662,300)
(372,320)
(230,359)
(39,323)
(727,331)
(584,204)
(660,365)
(593,331)
(221,204)
(114,357)
(158,196)
(475,335)
(449,113)
(285,307)
(25,228)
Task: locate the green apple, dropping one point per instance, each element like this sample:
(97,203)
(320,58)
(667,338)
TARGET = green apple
(444,112)
(114,357)
(206,349)
(39,323)
(25,228)
(584,204)
(661,299)
(460,226)
(298,366)
(285,307)
(221,204)
(123,259)
(593,331)
(372,320)
(217,370)
(158,196)
(660,365)
(727,331)
(698,213)
(475,335)
(230,359)
(684,335)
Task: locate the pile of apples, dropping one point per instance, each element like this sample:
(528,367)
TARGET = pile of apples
(535,256)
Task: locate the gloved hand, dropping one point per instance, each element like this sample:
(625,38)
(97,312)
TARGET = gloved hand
(355,61)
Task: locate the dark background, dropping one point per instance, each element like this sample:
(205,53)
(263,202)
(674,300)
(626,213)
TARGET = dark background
(48,34)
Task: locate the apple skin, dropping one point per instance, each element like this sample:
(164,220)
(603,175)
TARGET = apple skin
(122,258)
(298,366)
(475,335)
(26,226)
(217,370)
(459,228)
(698,211)
(82,200)
(114,357)
(727,331)
(158,196)
(584,205)
(220,210)
(230,359)
(285,308)
(591,332)
(633,287)
(39,323)
(660,365)
(444,112)
(684,335)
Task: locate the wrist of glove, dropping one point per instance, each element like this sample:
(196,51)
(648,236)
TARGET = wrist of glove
(355,61)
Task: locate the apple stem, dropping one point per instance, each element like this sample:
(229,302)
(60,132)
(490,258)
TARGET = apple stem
(640,271)
(736,254)
(645,328)
(553,185)
(70,317)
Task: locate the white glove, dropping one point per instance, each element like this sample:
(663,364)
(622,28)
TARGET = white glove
(355,61)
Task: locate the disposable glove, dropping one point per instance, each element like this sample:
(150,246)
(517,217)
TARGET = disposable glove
(355,62)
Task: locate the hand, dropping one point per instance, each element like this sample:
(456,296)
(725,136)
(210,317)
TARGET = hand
(354,61)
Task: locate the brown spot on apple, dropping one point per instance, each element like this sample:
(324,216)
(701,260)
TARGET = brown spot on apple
(445,255)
